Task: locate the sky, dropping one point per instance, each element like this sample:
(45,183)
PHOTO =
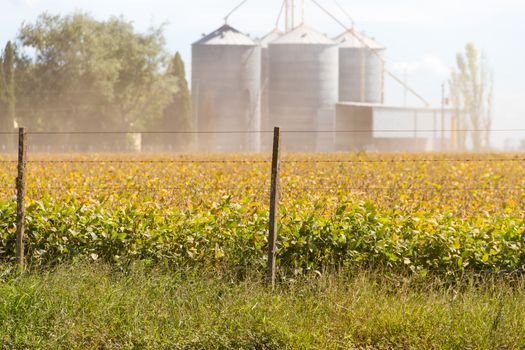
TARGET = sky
(422,36)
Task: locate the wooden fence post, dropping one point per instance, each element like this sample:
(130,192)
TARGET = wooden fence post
(274,204)
(20,194)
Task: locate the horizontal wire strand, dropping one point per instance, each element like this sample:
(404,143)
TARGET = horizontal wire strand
(283,188)
(161,132)
(247,161)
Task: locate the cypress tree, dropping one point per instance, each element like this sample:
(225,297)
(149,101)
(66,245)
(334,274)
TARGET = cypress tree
(5,140)
(7,94)
(3,116)
(178,114)
(9,85)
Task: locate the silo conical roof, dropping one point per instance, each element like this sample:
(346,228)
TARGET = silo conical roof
(270,37)
(226,35)
(303,35)
(355,39)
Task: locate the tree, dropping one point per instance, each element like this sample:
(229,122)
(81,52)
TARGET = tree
(471,88)
(85,74)
(178,114)
(7,90)
(9,78)
(4,121)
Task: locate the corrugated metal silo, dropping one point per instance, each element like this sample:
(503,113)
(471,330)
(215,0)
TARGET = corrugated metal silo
(361,69)
(265,122)
(303,73)
(226,83)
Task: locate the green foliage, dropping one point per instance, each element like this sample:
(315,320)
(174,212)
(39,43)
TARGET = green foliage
(178,114)
(7,88)
(88,74)
(9,78)
(167,255)
(4,121)
(226,236)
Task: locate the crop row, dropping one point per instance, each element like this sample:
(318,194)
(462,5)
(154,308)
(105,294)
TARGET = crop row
(444,214)
(231,236)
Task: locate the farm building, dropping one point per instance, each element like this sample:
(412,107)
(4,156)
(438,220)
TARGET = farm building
(226,90)
(326,94)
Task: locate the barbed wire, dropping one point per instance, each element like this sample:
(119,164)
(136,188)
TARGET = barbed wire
(256,161)
(161,132)
(139,161)
(401,160)
(116,161)
(283,188)
(140,189)
(398,188)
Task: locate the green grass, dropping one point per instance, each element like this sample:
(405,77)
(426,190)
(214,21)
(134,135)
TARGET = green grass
(93,306)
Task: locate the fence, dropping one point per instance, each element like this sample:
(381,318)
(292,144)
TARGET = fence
(274,164)
(385,130)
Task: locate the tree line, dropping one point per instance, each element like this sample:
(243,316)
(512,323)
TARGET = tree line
(76,73)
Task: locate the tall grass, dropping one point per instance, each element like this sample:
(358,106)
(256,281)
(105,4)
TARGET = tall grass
(87,306)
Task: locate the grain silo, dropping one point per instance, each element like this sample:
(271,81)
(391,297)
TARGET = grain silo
(263,42)
(226,83)
(303,77)
(361,68)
